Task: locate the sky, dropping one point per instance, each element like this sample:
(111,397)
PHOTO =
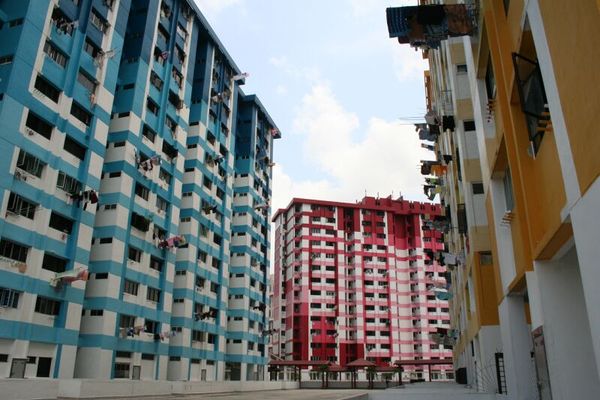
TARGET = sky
(339,89)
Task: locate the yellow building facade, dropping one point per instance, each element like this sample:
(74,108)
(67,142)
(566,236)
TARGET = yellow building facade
(527,293)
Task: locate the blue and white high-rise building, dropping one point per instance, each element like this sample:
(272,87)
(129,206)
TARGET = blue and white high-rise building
(134,192)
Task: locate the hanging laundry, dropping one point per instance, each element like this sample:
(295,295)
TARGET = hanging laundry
(274,132)
(241,78)
(428,146)
(209,209)
(164,55)
(425,26)
(79,274)
(431,118)
(438,169)
(443,295)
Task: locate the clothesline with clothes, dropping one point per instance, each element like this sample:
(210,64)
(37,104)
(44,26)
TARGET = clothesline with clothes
(173,242)
(425,26)
(147,164)
(79,274)
(86,197)
(137,330)
(205,315)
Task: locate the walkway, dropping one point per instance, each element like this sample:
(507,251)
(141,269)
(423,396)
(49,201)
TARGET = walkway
(431,391)
(301,394)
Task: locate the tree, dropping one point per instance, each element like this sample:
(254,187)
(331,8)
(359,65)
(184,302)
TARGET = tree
(399,371)
(323,370)
(371,373)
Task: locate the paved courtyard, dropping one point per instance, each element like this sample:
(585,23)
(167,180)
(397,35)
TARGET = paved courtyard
(298,394)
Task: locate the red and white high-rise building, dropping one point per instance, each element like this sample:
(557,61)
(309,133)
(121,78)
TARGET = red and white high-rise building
(356,280)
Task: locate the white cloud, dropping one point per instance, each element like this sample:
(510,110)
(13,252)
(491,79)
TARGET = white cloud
(281,89)
(381,158)
(408,64)
(310,74)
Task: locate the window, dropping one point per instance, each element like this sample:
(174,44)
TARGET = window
(87,82)
(71,146)
(6,59)
(30,164)
(81,114)
(55,54)
(12,250)
(164,176)
(96,313)
(131,287)
(20,206)
(477,188)
(469,125)
(53,263)
(98,21)
(110,207)
(134,254)
(508,191)
(121,371)
(169,150)
(91,48)
(102,275)
(9,298)
(44,305)
(67,183)
(46,88)
(139,222)
(38,125)
(156,264)
(490,80)
(485,258)
(127,321)
(153,294)
(197,336)
(150,326)
(155,80)
(172,125)
(148,133)
(152,106)
(533,98)
(141,191)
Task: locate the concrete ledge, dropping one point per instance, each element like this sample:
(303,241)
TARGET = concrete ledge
(28,389)
(45,389)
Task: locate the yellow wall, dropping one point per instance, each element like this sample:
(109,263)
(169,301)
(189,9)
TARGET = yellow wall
(492,234)
(485,289)
(573,31)
(534,180)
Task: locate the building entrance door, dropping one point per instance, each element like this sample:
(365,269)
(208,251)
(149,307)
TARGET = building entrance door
(137,371)
(17,368)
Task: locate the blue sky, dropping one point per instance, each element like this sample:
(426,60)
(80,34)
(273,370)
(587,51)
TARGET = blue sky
(337,87)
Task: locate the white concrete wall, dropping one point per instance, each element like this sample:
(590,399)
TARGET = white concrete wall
(517,345)
(571,364)
(74,388)
(586,229)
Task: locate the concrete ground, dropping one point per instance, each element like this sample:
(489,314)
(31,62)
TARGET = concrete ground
(430,391)
(297,394)
(417,391)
